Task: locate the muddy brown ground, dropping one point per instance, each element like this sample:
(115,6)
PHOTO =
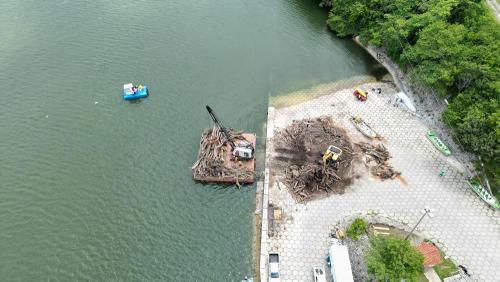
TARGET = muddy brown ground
(298,151)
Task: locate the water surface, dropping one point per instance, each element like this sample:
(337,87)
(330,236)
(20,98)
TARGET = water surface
(95,188)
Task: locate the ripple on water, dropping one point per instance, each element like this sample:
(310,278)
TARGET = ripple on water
(104,191)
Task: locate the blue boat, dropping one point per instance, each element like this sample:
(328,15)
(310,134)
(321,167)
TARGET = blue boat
(131,92)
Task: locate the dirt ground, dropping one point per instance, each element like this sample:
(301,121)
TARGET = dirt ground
(298,152)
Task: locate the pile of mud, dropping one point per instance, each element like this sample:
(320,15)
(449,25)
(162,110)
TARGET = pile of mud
(298,151)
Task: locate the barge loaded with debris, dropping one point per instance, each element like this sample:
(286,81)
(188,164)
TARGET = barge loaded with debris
(225,156)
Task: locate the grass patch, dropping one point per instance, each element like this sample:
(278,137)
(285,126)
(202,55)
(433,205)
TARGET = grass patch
(446,269)
(422,278)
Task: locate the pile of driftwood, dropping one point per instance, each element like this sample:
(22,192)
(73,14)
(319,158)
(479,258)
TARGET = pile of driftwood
(377,157)
(298,150)
(212,154)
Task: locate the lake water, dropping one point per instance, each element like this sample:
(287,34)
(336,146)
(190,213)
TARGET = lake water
(95,188)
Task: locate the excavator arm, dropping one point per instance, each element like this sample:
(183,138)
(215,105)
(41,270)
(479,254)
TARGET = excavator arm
(242,148)
(222,128)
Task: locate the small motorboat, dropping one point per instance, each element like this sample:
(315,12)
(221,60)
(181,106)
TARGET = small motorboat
(484,194)
(431,135)
(363,127)
(132,92)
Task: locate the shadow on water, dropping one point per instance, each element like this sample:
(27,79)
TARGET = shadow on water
(136,101)
(372,66)
(317,16)
(125,174)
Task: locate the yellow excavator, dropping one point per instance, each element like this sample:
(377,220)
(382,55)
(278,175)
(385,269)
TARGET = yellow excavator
(331,156)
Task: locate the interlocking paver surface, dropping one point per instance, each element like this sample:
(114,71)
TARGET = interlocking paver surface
(463,226)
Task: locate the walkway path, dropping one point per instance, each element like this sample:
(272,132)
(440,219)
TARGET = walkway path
(431,275)
(464,227)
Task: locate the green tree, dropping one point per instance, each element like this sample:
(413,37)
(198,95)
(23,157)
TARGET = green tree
(452,46)
(437,51)
(356,229)
(393,259)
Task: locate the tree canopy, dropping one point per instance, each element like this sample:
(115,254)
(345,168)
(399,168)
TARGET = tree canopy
(393,259)
(451,46)
(356,228)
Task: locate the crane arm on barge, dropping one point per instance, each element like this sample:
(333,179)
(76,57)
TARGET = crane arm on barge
(240,150)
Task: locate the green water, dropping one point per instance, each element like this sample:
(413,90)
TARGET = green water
(95,188)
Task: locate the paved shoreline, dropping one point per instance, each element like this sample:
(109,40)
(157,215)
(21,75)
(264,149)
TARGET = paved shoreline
(464,227)
(429,106)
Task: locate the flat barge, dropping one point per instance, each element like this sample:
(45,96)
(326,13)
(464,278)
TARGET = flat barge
(225,156)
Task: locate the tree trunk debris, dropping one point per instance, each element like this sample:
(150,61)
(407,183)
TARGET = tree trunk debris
(299,149)
(377,156)
(212,154)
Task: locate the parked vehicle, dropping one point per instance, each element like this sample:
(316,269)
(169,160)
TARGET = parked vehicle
(360,94)
(241,149)
(274,267)
(340,265)
(319,274)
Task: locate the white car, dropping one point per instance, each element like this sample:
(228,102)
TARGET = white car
(274,267)
(319,274)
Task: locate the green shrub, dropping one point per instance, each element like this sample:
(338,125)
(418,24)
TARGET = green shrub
(356,229)
(393,259)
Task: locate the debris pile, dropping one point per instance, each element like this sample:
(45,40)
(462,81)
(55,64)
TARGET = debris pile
(299,149)
(212,156)
(377,158)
